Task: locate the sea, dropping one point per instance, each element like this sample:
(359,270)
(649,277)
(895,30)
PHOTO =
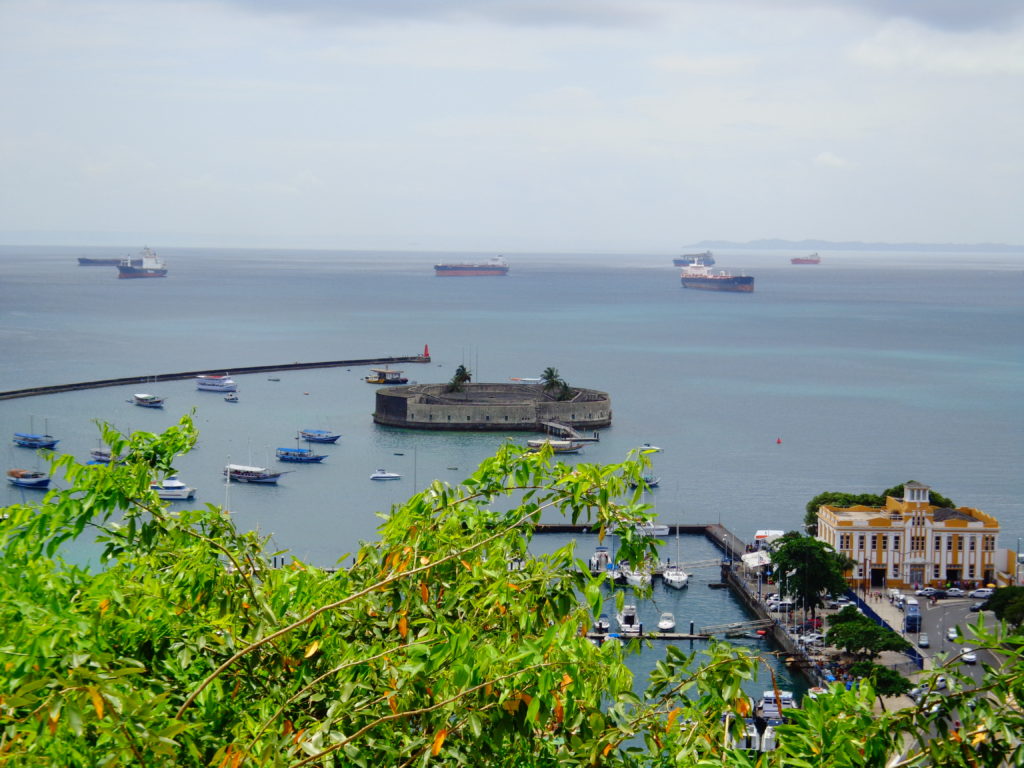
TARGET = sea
(857,374)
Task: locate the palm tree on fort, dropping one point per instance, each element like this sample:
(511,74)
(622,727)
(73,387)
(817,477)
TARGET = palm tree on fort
(462,376)
(550,380)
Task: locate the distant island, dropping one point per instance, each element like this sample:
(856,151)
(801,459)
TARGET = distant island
(828,245)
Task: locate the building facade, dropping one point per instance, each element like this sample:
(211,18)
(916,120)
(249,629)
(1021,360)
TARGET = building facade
(910,543)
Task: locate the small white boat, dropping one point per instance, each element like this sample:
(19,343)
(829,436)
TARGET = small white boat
(602,624)
(601,560)
(28,478)
(667,621)
(637,577)
(231,397)
(172,489)
(652,529)
(148,401)
(215,383)
(648,448)
(383,474)
(770,706)
(675,577)
(243,474)
(629,623)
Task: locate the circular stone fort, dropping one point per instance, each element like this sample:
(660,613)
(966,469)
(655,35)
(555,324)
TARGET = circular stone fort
(489,407)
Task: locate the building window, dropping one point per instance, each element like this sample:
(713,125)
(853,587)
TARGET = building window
(949,543)
(988,543)
(895,570)
(935,572)
(938,543)
(959,543)
(970,543)
(896,542)
(874,541)
(844,541)
(970,571)
(860,541)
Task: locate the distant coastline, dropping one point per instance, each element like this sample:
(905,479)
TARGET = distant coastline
(829,245)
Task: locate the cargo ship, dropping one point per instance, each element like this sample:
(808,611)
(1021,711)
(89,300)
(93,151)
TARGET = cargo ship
(812,259)
(151,266)
(496,266)
(688,259)
(700,277)
(87,261)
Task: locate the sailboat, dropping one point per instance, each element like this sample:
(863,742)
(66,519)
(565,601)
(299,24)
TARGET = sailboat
(32,440)
(674,575)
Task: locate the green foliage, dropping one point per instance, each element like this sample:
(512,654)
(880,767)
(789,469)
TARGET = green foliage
(936,499)
(885,681)
(857,634)
(1008,604)
(840,499)
(808,569)
(186,649)
(460,378)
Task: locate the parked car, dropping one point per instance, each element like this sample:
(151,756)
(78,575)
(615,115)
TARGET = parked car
(926,591)
(838,602)
(955,592)
(982,593)
(968,656)
(940,683)
(923,641)
(951,633)
(811,638)
(978,606)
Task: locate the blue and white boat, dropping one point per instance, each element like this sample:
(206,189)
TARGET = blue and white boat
(32,440)
(300,455)
(28,478)
(147,401)
(318,436)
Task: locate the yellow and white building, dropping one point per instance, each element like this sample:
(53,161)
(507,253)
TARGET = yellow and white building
(910,543)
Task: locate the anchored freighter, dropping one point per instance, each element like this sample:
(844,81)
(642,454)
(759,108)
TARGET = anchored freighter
(700,277)
(496,266)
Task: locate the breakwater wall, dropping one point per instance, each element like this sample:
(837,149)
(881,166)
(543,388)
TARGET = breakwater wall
(236,371)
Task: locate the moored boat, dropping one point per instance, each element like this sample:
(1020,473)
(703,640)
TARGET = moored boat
(698,276)
(148,401)
(243,474)
(812,259)
(770,706)
(103,455)
(652,529)
(674,576)
(33,440)
(28,478)
(692,258)
(385,376)
(215,383)
(667,621)
(172,489)
(383,474)
(231,397)
(318,436)
(648,481)
(629,622)
(637,577)
(300,455)
(497,266)
(557,446)
(602,624)
(151,266)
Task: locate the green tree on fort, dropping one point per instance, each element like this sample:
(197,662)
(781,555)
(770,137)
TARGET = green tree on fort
(460,378)
(186,648)
(551,381)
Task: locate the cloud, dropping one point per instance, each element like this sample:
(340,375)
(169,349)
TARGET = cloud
(830,160)
(705,65)
(907,46)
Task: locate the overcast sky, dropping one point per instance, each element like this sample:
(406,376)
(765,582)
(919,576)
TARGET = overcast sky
(504,125)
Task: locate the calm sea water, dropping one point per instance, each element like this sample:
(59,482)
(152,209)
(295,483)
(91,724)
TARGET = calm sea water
(872,368)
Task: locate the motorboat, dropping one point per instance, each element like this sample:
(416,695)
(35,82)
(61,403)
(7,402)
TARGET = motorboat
(651,529)
(629,623)
(383,474)
(648,448)
(231,397)
(637,577)
(172,489)
(28,478)
(241,473)
(648,481)
(675,577)
(601,560)
(602,624)
(215,383)
(667,621)
(300,455)
(770,706)
(148,401)
(318,436)
(557,446)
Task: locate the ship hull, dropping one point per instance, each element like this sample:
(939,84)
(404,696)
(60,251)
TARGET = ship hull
(740,284)
(134,272)
(469,271)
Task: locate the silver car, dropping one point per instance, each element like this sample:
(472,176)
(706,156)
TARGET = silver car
(922,640)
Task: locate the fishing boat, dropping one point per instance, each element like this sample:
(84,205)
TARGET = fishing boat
(148,401)
(383,474)
(151,266)
(667,621)
(231,397)
(241,473)
(557,446)
(172,489)
(318,436)
(28,478)
(300,455)
(215,383)
(629,622)
(31,439)
(385,376)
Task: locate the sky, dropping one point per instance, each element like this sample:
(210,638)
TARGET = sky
(510,125)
